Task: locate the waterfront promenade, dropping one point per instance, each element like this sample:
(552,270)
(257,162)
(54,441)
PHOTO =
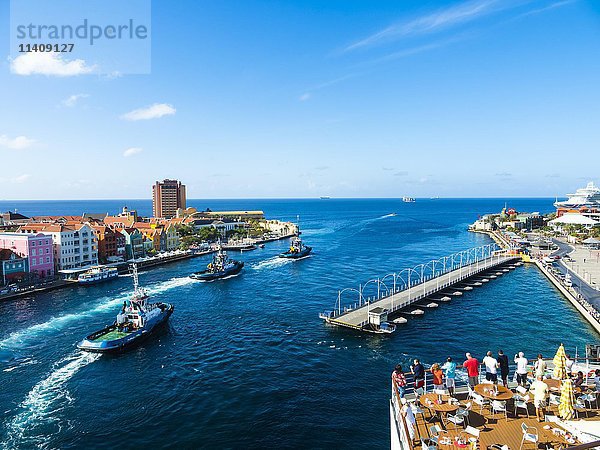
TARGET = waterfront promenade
(586,264)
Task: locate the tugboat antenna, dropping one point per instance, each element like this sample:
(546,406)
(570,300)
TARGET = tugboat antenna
(135,277)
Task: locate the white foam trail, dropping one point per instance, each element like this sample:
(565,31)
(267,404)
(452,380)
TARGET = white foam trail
(21,337)
(271,263)
(387,215)
(42,403)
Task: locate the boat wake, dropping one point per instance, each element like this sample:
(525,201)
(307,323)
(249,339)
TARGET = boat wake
(387,215)
(37,419)
(21,338)
(271,263)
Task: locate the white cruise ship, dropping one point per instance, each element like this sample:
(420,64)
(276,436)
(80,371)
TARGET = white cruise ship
(588,196)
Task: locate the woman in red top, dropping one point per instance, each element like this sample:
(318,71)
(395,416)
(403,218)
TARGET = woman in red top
(400,380)
(438,376)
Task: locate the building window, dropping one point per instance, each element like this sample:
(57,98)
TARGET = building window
(33,243)
(34,262)
(47,259)
(47,251)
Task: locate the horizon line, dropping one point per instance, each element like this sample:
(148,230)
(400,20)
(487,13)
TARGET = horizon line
(278,198)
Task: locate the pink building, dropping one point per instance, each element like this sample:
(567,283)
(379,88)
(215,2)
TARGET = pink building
(37,248)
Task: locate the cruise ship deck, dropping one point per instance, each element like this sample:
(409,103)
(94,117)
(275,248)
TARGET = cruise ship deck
(487,428)
(498,429)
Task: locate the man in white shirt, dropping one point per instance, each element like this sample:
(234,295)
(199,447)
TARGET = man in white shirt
(540,392)
(491,368)
(521,363)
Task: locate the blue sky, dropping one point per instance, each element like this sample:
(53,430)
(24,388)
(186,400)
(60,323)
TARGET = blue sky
(345,98)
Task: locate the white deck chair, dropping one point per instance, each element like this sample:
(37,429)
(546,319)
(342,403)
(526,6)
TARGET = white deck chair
(455,419)
(589,398)
(530,434)
(479,400)
(464,412)
(426,446)
(554,400)
(499,406)
(472,431)
(521,390)
(580,406)
(435,432)
(522,404)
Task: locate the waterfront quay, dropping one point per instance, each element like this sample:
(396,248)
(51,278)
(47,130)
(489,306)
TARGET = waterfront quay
(556,264)
(395,292)
(47,252)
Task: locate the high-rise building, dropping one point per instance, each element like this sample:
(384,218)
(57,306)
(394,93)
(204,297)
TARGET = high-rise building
(167,197)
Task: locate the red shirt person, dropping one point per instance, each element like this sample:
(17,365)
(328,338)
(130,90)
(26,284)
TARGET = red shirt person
(472,366)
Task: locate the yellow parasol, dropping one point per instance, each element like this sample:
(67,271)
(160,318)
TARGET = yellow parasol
(560,363)
(567,400)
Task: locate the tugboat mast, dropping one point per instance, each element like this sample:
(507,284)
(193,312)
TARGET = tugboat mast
(136,283)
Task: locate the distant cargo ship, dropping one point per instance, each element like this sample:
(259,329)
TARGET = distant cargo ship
(588,196)
(408,199)
(325,197)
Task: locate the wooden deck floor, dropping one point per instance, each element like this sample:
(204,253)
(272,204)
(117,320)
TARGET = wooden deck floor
(496,429)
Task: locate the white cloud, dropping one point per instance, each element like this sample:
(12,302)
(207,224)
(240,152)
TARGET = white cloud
(546,8)
(18,143)
(132,151)
(22,178)
(72,100)
(50,64)
(429,23)
(16,180)
(305,97)
(154,111)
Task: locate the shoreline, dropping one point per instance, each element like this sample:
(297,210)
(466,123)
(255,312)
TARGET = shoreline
(500,240)
(123,268)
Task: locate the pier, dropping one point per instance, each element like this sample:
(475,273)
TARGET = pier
(396,291)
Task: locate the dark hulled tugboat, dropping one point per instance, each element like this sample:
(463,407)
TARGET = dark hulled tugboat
(136,321)
(297,250)
(220,267)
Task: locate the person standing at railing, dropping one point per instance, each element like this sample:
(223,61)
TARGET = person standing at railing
(503,365)
(438,377)
(472,366)
(418,371)
(399,380)
(521,371)
(491,368)
(540,366)
(449,368)
(569,365)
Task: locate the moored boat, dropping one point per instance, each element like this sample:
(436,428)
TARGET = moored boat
(137,320)
(98,274)
(220,267)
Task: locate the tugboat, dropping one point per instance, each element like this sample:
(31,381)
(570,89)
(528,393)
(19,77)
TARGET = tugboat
(220,267)
(297,250)
(98,274)
(136,321)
